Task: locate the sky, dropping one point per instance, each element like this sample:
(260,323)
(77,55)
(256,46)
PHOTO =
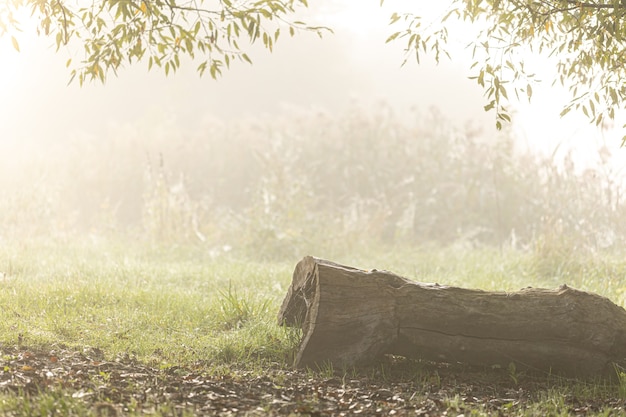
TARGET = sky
(354,64)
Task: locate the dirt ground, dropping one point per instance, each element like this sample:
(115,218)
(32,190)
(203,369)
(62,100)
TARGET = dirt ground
(394,387)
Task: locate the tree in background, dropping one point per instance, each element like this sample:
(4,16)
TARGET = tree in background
(115,32)
(585,39)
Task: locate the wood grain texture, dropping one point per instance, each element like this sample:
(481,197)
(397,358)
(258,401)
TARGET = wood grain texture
(351,316)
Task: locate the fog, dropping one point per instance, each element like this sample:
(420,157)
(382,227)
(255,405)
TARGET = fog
(353,64)
(97,158)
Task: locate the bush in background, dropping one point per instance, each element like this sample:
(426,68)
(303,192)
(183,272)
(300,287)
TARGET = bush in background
(306,180)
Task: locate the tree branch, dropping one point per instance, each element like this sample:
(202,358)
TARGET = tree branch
(596,5)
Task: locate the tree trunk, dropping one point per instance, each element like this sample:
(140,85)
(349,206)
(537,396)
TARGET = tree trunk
(350,317)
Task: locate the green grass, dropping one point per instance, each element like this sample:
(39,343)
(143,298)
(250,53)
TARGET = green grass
(179,308)
(179,305)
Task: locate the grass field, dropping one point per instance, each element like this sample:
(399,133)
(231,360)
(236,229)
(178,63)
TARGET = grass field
(112,329)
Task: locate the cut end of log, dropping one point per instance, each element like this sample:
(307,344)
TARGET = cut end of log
(351,316)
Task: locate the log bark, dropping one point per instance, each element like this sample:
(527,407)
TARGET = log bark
(350,317)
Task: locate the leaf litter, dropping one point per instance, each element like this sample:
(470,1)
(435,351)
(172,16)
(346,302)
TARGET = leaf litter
(125,385)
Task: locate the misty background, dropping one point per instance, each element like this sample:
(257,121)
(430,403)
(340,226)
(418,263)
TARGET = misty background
(318,147)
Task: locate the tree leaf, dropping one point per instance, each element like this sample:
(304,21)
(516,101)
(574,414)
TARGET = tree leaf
(16,45)
(392,37)
(565,111)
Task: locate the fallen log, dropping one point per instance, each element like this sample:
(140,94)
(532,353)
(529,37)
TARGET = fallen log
(350,317)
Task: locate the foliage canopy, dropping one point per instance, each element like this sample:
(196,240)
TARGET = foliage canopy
(114,32)
(585,39)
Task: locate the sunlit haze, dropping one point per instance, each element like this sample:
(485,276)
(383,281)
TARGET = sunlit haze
(180,245)
(143,114)
(334,229)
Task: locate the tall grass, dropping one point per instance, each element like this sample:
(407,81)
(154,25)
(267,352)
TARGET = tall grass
(311,182)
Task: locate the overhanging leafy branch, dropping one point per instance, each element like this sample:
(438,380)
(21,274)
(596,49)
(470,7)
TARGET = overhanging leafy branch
(115,32)
(585,39)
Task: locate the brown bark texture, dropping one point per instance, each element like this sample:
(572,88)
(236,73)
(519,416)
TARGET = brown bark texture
(352,317)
